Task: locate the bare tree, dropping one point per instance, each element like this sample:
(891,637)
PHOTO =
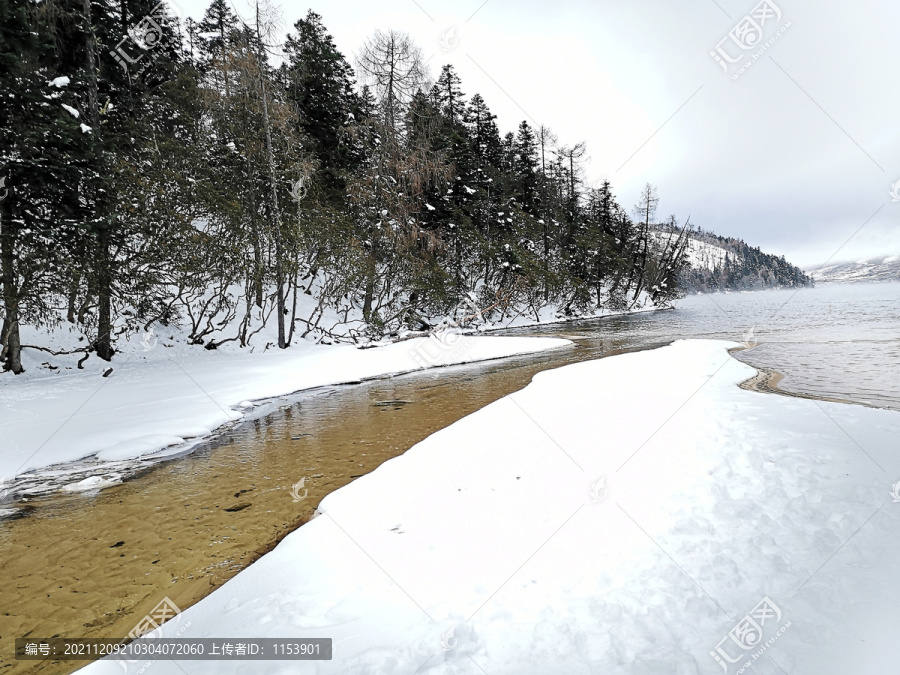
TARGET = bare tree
(392,64)
(572,156)
(547,140)
(548,143)
(645,210)
(277,225)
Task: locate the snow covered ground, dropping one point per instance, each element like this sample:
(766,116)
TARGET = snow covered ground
(638,514)
(161,399)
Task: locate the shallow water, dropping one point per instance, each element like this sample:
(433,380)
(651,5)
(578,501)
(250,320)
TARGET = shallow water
(837,341)
(92,565)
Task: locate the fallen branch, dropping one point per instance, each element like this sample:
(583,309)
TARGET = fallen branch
(50,351)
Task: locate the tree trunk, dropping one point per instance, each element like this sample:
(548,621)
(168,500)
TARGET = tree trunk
(12,346)
(93,112)
(276,210)
(290,336)
(259,272)
(369,292)
(643,266)
(546,261)
(70,302)
(12,350)
(103,343)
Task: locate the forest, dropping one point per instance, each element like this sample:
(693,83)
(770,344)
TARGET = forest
(744,267)
(225,175)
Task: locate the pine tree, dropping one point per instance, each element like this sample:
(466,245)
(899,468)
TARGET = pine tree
(39,136)
(321,86)
(451,99)
(524,168)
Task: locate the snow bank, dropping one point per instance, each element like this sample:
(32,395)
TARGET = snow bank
(618,516)
(155,400)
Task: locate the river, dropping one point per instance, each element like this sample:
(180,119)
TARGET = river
(92,565)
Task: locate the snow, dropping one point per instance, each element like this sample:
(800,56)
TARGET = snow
(69,109)
(615,516)
(700,255)
(60,82)
(877,269)
(705,256)
(85,129)
(93,483)
(155,400)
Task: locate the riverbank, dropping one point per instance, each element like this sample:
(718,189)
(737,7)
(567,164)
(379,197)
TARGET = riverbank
(185,527)
(619,515)
(155,405)
(766,381)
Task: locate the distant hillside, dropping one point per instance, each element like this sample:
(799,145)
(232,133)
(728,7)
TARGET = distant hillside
(718,263)
(880,268)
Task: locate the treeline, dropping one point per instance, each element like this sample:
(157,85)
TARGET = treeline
(743,268)
(160,170)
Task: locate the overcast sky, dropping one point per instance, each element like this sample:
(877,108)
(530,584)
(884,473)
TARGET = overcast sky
(798,155)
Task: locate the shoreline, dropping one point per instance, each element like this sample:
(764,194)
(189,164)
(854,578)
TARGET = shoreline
(205,577)
(576,319)
(12,496)
(259,398)
(190,526)
(766,381)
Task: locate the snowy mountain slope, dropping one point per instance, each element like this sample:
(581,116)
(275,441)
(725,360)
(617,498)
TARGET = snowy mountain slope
(702,255)
(717,263)
(879,268)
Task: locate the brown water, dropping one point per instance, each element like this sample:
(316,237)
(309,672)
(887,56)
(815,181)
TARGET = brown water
(93,566)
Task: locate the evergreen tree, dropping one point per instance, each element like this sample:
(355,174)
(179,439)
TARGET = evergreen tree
(524,169)
(320,85)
